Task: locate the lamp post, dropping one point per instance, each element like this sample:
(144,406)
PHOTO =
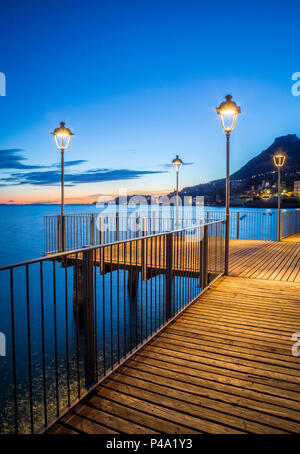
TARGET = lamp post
(62,137)
(279,159)
(228,111)
(177,164)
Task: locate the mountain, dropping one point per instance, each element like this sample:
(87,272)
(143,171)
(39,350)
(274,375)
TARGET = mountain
(264,163)
(256,170)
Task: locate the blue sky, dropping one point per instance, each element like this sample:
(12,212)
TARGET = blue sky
(138,82)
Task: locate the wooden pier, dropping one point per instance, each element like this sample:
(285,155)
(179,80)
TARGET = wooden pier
(224,366)
(266,259)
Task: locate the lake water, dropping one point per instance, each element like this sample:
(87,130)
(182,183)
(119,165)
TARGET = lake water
(21,238)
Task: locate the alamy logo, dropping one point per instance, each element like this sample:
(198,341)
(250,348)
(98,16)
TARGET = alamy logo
(2,84)
(296,85)
(2,344)
(296,345)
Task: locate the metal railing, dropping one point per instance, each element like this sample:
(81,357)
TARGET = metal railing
(71,231)
(78,230)
(259,225)
(76,316)
(290,223)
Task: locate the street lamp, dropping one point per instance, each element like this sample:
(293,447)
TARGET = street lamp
(228,111)
(62,137)
(177,164)
(279,158)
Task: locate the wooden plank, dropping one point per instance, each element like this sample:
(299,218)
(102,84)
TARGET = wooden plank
(84,425)
(293,238)
(245,353)
(218,336)
(213,379)
(152,405)
(265,260)
(231,363)
(224,366)
(244,318)
(191,405)
(61,429)
(111,421)
(160,385)
(153,422)
(281,406)
(209,377)
(198,342)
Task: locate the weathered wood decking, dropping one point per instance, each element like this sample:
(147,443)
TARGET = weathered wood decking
(224,366)
(293,238)
(266,259)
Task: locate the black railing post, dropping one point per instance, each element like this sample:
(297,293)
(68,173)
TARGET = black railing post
(204,257)
(144,250)
(169,274)
(101,241)
(63,233)
(89,318)
(117,226)
(237,225)
(58,234)
(92,232)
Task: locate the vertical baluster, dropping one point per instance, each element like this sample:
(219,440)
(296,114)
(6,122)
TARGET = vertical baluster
(111,309)
(118,301)
(94,256)
(169,275)
(13,341)
(77,325)
(43,344)
(67,335)
(89,318)
(55,339)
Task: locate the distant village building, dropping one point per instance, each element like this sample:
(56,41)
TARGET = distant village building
(297,187)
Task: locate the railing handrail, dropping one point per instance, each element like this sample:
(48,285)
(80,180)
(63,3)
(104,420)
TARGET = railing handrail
(99,246)
(232,209)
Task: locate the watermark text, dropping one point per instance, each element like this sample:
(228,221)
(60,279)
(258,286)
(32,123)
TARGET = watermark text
(2,344)
(296,85)
(2,84)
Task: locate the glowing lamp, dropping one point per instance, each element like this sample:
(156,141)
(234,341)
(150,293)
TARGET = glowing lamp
(228,111)
(279,158)
(177,164)
(62,136)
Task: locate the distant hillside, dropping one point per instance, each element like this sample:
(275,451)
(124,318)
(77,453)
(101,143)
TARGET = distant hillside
(264,163)
(257,169)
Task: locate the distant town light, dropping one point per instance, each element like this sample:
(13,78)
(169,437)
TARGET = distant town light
(62,136)
(177,164)
(228,111)
(279,158)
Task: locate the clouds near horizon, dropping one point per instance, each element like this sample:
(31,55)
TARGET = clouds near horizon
(12,159)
